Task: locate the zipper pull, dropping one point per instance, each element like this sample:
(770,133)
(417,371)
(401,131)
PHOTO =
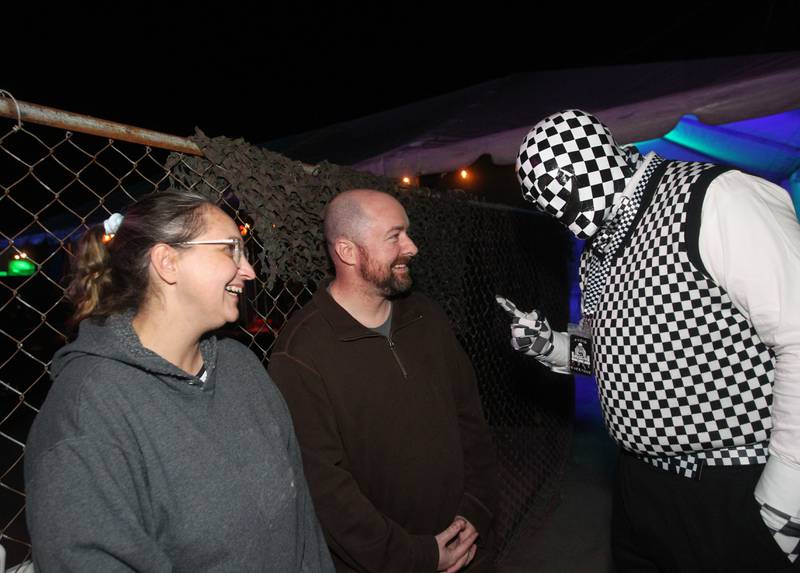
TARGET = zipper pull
(396,357)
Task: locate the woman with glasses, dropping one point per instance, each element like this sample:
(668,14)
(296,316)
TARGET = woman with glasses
(159,446)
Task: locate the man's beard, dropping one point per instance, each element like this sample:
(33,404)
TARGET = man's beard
(386,280)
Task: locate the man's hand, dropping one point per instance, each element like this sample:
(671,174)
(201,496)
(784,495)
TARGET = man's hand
(456,545)
(468,530)
(530,332)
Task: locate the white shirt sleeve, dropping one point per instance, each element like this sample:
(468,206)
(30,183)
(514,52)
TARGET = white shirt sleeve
(749,242)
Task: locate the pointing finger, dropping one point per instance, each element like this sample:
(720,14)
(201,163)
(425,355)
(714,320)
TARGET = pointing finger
(509,306)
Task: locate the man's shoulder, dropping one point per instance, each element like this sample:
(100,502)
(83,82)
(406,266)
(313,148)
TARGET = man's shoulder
(302,325)
(424,301)
(739,187)
(416,299)
(417,302)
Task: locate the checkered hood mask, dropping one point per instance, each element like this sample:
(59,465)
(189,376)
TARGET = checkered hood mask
(570,167)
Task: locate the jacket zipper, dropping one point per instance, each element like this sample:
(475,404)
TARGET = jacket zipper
(396,357)
(392,345)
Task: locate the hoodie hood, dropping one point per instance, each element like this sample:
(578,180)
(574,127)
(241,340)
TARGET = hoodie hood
(115,339)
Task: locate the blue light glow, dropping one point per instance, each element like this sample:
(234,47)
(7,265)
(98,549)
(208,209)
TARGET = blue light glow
(766,146)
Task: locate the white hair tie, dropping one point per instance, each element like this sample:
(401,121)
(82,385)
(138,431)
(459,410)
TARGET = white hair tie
(111,225)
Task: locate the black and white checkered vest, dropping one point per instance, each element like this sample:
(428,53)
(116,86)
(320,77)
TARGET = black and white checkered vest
(684,378)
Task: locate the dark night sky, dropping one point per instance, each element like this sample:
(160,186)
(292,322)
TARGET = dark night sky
(269,72)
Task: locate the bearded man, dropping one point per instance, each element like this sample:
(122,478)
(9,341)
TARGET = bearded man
(398,456)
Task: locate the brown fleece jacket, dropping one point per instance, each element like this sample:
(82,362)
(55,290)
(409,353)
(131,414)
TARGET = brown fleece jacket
(393,439)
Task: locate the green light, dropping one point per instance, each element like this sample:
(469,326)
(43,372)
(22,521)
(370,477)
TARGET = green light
(21,268)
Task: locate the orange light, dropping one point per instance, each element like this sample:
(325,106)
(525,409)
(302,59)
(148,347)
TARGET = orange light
(464,174)
(107,238)
(16,257)
(244,229)
(406,180)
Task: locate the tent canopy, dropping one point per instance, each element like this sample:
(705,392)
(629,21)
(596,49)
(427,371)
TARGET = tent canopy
(638,102)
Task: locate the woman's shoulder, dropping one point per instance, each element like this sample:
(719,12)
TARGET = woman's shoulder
(237,361)
(230,348)
(87,403)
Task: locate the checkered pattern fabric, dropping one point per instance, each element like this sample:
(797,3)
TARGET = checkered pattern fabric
(596,259)
(634,158)
(570,166)
(680,369)
(785,530)
(691,465)
(530,331)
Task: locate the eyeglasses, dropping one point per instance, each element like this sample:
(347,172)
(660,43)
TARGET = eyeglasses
(237,247)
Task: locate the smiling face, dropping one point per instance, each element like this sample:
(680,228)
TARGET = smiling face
(210,283)
(384,247)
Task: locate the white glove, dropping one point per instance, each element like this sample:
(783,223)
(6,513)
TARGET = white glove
(779,498)
(785,530)
(530,332)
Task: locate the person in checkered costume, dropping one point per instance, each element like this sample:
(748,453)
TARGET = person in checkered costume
(690,289)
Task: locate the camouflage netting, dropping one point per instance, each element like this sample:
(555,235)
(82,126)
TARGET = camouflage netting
(468,252)
(283,198)
(55,184)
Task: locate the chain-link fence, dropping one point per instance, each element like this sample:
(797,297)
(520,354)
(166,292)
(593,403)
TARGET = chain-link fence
(56,183)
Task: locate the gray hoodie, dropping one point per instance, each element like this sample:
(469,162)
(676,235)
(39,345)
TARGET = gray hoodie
(134,465)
